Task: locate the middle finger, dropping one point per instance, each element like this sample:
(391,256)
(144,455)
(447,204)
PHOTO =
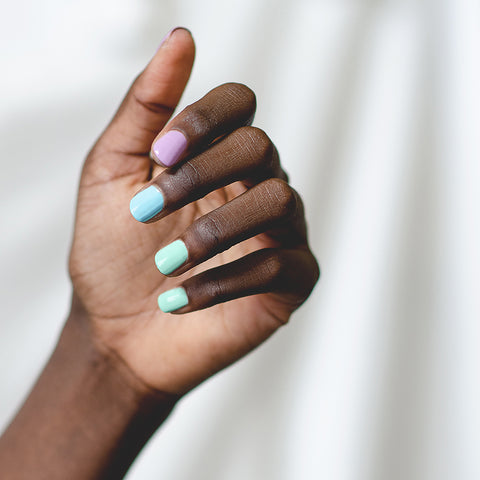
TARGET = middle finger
(246,154)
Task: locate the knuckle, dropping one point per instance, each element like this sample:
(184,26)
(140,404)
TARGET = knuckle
(240,93)
(309,276)
(316,271)
(188,178)
(214,290)
(156,108)
(198,119)
(274,268)
(262,142)
(208,232)
(144,99)
(281,196)
(258,144)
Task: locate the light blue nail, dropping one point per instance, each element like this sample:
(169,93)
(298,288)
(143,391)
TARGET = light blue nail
(172,300)
(146,204)
(169,258)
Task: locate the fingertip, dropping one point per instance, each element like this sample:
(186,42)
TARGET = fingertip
(175,31)
(146,204)
(167,36)
(169,148)
(173,300)
(169,69)
(171,257)
(178,38)
(149,104)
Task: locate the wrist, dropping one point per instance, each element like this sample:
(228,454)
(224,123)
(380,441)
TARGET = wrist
(120,409)
(87,414)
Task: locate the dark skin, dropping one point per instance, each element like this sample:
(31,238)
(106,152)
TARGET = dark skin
(121,364)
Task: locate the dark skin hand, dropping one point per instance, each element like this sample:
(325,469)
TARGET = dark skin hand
(248,267)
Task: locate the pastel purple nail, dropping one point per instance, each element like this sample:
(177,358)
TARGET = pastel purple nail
(169,148)
(168,35)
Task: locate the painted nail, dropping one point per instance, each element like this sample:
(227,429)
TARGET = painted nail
(169,34)
(172,300)
(169,147)
(166,37)
(146,204)
(169,258)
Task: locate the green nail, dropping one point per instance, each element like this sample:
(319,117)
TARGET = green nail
(172,300)
(169,258)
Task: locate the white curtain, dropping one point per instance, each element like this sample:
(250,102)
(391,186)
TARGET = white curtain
(375,108)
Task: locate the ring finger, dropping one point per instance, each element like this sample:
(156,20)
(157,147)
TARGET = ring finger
(237,220)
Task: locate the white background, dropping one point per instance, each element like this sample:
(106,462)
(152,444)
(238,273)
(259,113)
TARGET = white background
(375,108)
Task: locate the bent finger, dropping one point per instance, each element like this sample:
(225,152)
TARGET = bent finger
(291,273)
(237,220)
(245,154)
(219,112)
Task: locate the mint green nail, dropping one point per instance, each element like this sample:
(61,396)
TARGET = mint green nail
(169,258)
(172,300)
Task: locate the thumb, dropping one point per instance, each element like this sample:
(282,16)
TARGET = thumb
(124,146)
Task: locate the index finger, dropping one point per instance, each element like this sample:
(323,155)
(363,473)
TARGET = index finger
(220,111)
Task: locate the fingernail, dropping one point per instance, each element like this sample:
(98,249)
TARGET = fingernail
(169,148)
(172,300)
(169,258)
(146,204)
(169,34)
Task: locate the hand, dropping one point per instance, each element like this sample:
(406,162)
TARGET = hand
(239,247)
(227,189)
